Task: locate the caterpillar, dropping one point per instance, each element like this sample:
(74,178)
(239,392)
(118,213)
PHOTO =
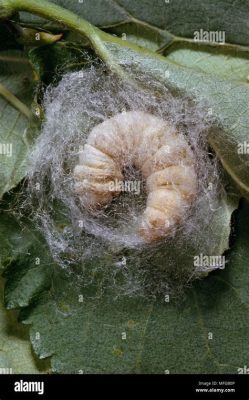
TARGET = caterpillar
(157,150)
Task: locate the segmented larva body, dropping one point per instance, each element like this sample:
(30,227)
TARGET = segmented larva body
(152,146)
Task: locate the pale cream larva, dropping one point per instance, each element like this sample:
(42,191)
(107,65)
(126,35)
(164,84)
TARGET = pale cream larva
(152,146)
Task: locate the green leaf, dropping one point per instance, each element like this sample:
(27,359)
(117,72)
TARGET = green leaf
(157,23)
(228,64)
(159,336)
(183,18)
(25,261)
(15,350)
(27,277)
(16,78)
(82,329)
(100,12)
(13,242)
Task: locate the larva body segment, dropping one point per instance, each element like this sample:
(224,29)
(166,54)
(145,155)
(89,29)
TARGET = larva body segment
(152,146)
